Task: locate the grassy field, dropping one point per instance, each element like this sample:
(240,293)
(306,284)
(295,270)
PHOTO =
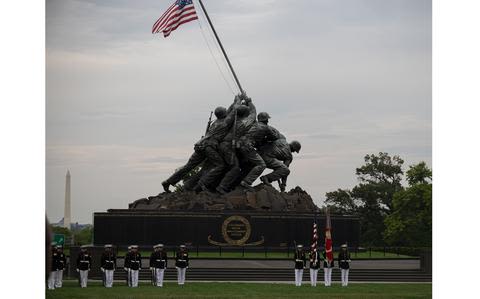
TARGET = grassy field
(241,290)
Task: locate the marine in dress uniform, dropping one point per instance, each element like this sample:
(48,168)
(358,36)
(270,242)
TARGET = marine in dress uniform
(108,264)
(158,264)
(58,264)
(84,262)
(126,266)
(300,264)
(51,276)
(344,264)
(315,260)
(181,263)
(327,269)
(133,263)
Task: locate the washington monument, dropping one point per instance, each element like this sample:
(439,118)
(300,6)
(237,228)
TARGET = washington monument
(67,212)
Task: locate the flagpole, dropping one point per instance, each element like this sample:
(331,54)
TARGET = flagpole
(221,47)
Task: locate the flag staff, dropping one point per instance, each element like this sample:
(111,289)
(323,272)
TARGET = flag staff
(221,47)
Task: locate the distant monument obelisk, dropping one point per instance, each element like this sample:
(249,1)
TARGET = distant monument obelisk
(67,212)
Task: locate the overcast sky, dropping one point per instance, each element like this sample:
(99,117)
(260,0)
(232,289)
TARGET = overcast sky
(124,107)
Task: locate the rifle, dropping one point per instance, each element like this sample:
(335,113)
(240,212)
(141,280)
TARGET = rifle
(209,123)
(154,272)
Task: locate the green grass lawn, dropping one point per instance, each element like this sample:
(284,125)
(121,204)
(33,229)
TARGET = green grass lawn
(218,290)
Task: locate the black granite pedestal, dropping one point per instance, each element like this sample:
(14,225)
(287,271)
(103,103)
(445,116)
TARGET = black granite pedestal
(222,228)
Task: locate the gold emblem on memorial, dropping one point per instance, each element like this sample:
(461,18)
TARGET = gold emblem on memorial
(236,231)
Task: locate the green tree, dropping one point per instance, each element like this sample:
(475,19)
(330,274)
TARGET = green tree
(341,202)
(419,174)
(84,236)
(61,230)
(383,176)
(379,179)
(410,223)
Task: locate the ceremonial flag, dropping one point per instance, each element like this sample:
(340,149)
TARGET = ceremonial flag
(180,12)
(328,236)
(313,249)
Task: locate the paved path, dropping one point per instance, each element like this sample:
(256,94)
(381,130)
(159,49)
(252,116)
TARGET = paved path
(358,264)
(404,264)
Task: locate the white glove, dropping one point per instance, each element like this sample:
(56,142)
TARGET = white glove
(151,268)
(126,269)
(78,270)
(103,270)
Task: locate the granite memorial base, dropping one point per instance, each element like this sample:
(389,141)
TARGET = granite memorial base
(123,227)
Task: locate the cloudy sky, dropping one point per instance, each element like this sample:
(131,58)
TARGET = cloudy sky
(124,107)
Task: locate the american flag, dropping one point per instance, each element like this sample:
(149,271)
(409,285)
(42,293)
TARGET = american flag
(313,249)
(180,12)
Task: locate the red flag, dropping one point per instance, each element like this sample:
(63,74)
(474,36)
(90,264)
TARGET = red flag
(328,236)
(180,12)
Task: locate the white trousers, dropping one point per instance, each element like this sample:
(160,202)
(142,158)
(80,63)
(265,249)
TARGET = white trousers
(344,277)
(181,275)
(159,277)
(134,278)
(313,277)
(298,277)
(51,281)
(108,278)
(327,276)
(83,278)
(58,278)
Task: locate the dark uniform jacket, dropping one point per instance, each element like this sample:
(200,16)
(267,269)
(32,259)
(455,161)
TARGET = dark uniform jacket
(84,261)
(133,261)
(244,124)
(108,261)
(278,149)
(344,260)
(158,260)
(217,131)
(315,260)
(59,261)
(300,259)
(260,134)
(325,263)
(181,259)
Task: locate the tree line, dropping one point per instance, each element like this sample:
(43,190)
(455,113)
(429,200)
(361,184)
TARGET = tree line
(390,213)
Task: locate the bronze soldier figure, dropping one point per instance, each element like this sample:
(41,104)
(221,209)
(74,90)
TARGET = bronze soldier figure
(246,117)
(206,148)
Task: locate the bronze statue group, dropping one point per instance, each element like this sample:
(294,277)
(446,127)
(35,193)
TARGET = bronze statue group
(236,149)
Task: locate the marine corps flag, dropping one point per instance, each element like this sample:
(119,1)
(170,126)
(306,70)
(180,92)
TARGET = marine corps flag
(328,236)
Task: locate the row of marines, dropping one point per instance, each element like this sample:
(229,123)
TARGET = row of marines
(159,261)
(300,259)
(108,264)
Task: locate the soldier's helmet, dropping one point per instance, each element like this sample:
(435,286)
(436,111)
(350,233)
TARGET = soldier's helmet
(263,116)
(295,146)
(242,110)
(220,112)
